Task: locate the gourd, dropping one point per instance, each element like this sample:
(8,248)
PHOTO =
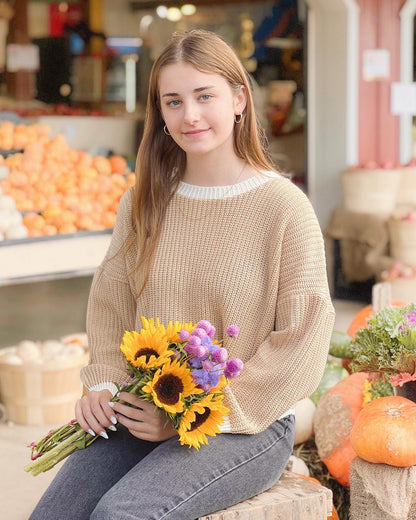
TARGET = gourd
(385,432)
(340,345)
(298,466)
(334,418)
(333,373)
(304,411)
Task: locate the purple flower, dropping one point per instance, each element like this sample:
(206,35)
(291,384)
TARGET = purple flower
(233,331)
(194,341)
(233,368)
(205,380)
(199,333)
(184,335)
(204,324)
(200,351)
(209,344)
(220,355)
(207,365)
(200,377)
(194,362)
(211,332)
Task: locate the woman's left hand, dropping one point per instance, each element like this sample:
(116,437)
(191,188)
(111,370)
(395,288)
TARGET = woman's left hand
(143,419)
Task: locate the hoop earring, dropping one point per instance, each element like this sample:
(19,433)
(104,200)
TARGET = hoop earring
(165,129)
(238,118)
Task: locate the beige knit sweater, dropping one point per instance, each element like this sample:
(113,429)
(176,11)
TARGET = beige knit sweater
(251,254)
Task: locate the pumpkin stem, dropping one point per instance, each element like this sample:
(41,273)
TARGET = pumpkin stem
(394,412)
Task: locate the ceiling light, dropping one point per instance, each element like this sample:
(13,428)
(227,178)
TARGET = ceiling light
(162,11)
(174,14)
(188,9)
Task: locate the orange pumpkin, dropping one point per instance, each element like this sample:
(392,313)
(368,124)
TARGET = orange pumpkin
(385,432)
(360,319)
(334,418)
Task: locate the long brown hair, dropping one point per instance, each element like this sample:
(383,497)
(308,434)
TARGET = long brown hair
(161,162)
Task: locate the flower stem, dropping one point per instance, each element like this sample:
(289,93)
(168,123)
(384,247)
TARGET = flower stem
(60,451)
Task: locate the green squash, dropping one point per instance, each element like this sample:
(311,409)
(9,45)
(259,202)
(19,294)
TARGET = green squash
(340,345)
(333,373)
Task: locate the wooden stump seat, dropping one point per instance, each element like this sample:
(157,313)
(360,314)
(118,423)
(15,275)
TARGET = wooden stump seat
(291,498)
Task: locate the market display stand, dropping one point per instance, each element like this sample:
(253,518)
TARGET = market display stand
(382,492)
(44,284)
(291,498)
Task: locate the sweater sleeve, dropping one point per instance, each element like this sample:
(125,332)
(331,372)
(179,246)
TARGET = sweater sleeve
(111,307)
(289,364)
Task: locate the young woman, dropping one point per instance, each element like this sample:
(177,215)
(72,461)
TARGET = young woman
(210,231)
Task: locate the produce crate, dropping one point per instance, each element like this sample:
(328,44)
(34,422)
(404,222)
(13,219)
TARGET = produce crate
(37,394)
(370,191)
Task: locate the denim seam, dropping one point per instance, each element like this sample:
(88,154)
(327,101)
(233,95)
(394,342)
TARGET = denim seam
(226,473)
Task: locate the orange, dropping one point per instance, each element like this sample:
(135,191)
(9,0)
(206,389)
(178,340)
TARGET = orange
(108,219)
(68,229)
(118,164)
(101,164)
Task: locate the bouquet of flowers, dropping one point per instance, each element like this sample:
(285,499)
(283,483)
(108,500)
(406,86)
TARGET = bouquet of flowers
(180,368)
(388,345)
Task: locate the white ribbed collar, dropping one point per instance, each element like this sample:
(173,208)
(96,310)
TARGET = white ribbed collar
(219,192)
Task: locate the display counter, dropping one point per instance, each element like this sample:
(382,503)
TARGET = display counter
(46,258)
(93,133)
(44,284)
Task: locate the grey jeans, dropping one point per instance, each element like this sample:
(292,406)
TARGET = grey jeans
(124,478)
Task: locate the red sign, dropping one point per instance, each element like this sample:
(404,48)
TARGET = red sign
(61,14)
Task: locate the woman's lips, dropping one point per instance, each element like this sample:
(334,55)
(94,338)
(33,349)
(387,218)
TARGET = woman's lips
(195,133)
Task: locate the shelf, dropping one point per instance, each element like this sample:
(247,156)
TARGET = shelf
(49,258)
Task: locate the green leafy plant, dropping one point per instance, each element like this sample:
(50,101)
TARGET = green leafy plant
(387,344)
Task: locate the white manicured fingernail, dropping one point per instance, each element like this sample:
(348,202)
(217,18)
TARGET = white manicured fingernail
(112,428)
(91,432)
(104,435)
(113,419)
(111,403)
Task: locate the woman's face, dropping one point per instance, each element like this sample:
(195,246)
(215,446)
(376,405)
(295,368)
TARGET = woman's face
(199,108)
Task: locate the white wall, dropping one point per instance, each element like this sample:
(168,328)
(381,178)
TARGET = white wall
(328,104)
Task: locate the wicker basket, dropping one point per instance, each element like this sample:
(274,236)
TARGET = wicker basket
(370,191)
(41,394)
(403,289)
(402,234)
(406,194)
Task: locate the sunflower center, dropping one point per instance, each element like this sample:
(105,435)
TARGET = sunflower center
(147,352)
(168,389)
(200,418)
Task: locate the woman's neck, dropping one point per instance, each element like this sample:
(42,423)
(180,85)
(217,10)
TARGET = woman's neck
(217,173)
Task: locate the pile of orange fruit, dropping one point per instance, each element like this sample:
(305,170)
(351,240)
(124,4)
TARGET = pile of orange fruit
(59,189)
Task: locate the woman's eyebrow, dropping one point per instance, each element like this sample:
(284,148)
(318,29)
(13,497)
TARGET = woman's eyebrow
(199,89)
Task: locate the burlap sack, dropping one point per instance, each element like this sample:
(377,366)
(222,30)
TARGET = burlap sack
(363,243)
(382,492)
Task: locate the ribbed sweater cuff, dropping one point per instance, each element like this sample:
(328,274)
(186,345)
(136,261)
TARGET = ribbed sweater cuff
(104,386)
(225,426)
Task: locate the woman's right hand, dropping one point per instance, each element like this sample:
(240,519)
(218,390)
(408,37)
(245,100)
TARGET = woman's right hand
(93,413)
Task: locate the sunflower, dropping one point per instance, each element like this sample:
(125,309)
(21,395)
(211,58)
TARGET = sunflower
(201,419)
(170,385)
(146,349)
(149,324)
(174,327)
